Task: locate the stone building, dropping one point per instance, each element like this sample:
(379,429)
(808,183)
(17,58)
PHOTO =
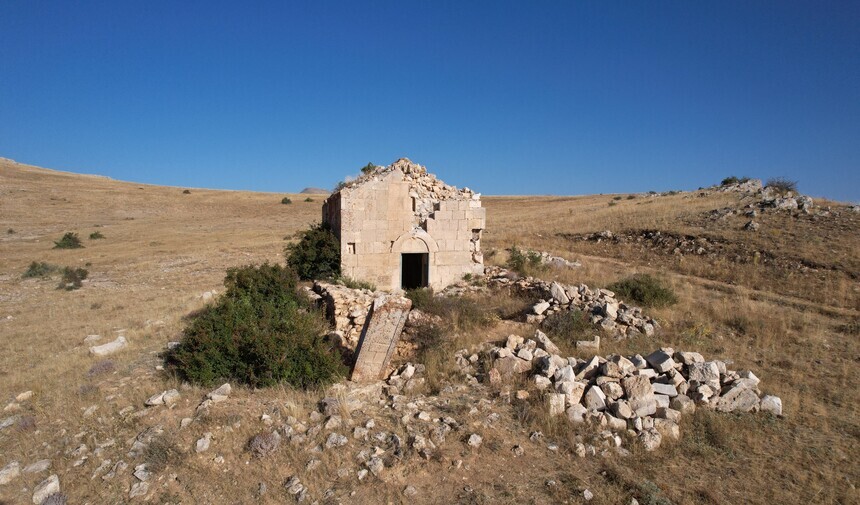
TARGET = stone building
(401,228)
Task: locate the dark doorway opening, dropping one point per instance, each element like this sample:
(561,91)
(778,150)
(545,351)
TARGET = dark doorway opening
(413,270)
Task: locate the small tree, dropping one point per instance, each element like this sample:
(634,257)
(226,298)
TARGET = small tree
(286,200)
(316,255)
(370,167)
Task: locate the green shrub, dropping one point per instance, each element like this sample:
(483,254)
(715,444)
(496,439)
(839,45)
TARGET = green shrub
(96,235)
(616,198)
(186,192)
(524,262)
(354,284)
(370,167)
(261,332)
(782,185)
(728,181)
(631,197)
(40,269)
(309,199)
(644,290)
(286,200)
(69,241)
(568,326)
(316,255)
(10,231)
(72,278)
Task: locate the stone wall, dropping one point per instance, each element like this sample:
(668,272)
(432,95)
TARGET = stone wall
(402,209)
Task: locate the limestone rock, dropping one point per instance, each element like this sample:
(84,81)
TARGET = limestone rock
(772,405)
(9,473)
(203,443)
(555,403)
(640,395)
(110,348)
(545,343)
(46,488)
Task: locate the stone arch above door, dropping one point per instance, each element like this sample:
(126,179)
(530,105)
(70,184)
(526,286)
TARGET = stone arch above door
(415,241)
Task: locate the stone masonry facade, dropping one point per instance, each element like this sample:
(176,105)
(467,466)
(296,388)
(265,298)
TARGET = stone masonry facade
(401,227)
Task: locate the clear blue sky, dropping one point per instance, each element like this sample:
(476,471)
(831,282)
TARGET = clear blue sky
(504,97)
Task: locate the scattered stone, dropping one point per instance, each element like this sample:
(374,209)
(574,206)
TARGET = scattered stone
(335,440)
(9,473)
(772,405)
(220,394)
(589,345)
(38,466)
(518,451)
(23,397)
(376,466)
(46,488)
(475,440)
(202,444)
(410,491)
(110,348)
(587,495)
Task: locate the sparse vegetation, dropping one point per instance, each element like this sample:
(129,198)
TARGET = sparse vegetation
(10,231)
(731,180)
(316,255)
(163,452)
(286,200)
(568,326)
(462,313)
(259,333)
(782,185)
(186,192)
(354,284)
(370,167)
(72,278)
(68,241)
(40,269)
(526,263)
(309,199)
(96,235)
(644,290)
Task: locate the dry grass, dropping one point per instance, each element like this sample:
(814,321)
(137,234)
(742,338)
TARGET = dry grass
(164,249)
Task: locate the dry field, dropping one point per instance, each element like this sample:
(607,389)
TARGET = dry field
(783,301)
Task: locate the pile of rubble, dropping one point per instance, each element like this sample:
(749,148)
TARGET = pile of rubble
(556,261)
(605,311)
(346,309)
(642,396)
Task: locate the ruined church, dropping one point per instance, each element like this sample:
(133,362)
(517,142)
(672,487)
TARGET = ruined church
(401,228)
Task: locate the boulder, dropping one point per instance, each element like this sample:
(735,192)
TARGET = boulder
(661,361)
(771,404)
(545,343)
(46,488)
(111,347)
(595,399)
(576,413)
(511,366)
(640,395)
(738,399)
(707,373)
(559,294)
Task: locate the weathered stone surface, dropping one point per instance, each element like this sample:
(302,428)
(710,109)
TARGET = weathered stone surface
(110,348)
(540,307)
(707,372)
(595,399)
(640,395)
(738,399)
(545,343)
(683,404)
(203,443)
(46,488)
(380,335)
(661,361)
(772,405)
(576,413)
(10,472)
(512,366)
(38,466)
(558,293)
(664,389)
(555,403)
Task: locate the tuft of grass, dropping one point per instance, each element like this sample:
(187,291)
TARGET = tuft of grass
(728,181)
(72,278)
(69,241)
(40,269)
(612,203)
(568,326)
(161,453)
(286,200)
(354,283)
(526,263)
(644,290)
(96,235)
